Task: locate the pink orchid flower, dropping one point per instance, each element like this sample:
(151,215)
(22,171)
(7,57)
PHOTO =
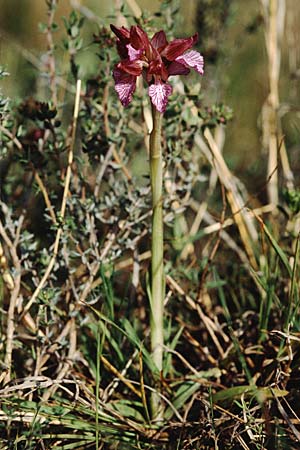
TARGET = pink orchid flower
(155,59)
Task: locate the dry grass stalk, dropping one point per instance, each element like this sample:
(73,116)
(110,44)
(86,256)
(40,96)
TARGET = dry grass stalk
(135,8)
(170,187)
(213,227)
(111,151)
(286,417)
(37,178)
(111,388)
(216,226)
(86,12)
(245,224)
(4,270)
(68,363)
(14,294)
(120,376)
(63,204)
(52,4)
(189,248)
(209,324)
(230,242)
(44,357)
(274,16)
(38,63)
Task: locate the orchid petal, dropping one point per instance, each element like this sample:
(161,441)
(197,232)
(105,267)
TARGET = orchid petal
(121,32)
(132,67)
(175,68)
(157,67)
(123,35)
(124,85)
(177,47)
(159,40)
(138,38)
(192,59)
(134,54)
(159,93)
(122,49)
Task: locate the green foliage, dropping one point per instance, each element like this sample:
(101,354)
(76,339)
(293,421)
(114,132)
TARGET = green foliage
(74,43)
(292,198)
(262,394)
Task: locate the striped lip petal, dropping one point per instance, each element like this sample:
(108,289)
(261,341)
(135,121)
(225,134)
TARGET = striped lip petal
(159,93)
(178,46)
(193,60)
(124,85)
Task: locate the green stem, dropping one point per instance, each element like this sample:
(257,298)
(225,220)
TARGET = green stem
(157,268)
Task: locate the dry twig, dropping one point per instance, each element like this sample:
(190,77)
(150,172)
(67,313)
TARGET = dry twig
(63,204)
(13,297)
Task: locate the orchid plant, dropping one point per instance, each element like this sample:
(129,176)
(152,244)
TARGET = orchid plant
(156,60)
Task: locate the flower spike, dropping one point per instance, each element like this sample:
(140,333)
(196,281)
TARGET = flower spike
(156,59)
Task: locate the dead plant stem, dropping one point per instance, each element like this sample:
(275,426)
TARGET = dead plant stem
(51,58)
(13,301)
(63,204)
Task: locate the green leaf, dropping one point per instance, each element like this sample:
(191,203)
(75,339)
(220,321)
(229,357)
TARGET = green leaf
(131,335)
(214,372)
(42,27)
(126,409)
(168,358)
(278,250)
(74,445)
(74,31)
(236,392)
(184,392)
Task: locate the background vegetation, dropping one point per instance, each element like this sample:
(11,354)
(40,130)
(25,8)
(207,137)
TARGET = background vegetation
(74,231)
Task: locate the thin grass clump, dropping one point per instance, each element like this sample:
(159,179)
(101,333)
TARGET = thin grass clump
(149,293)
